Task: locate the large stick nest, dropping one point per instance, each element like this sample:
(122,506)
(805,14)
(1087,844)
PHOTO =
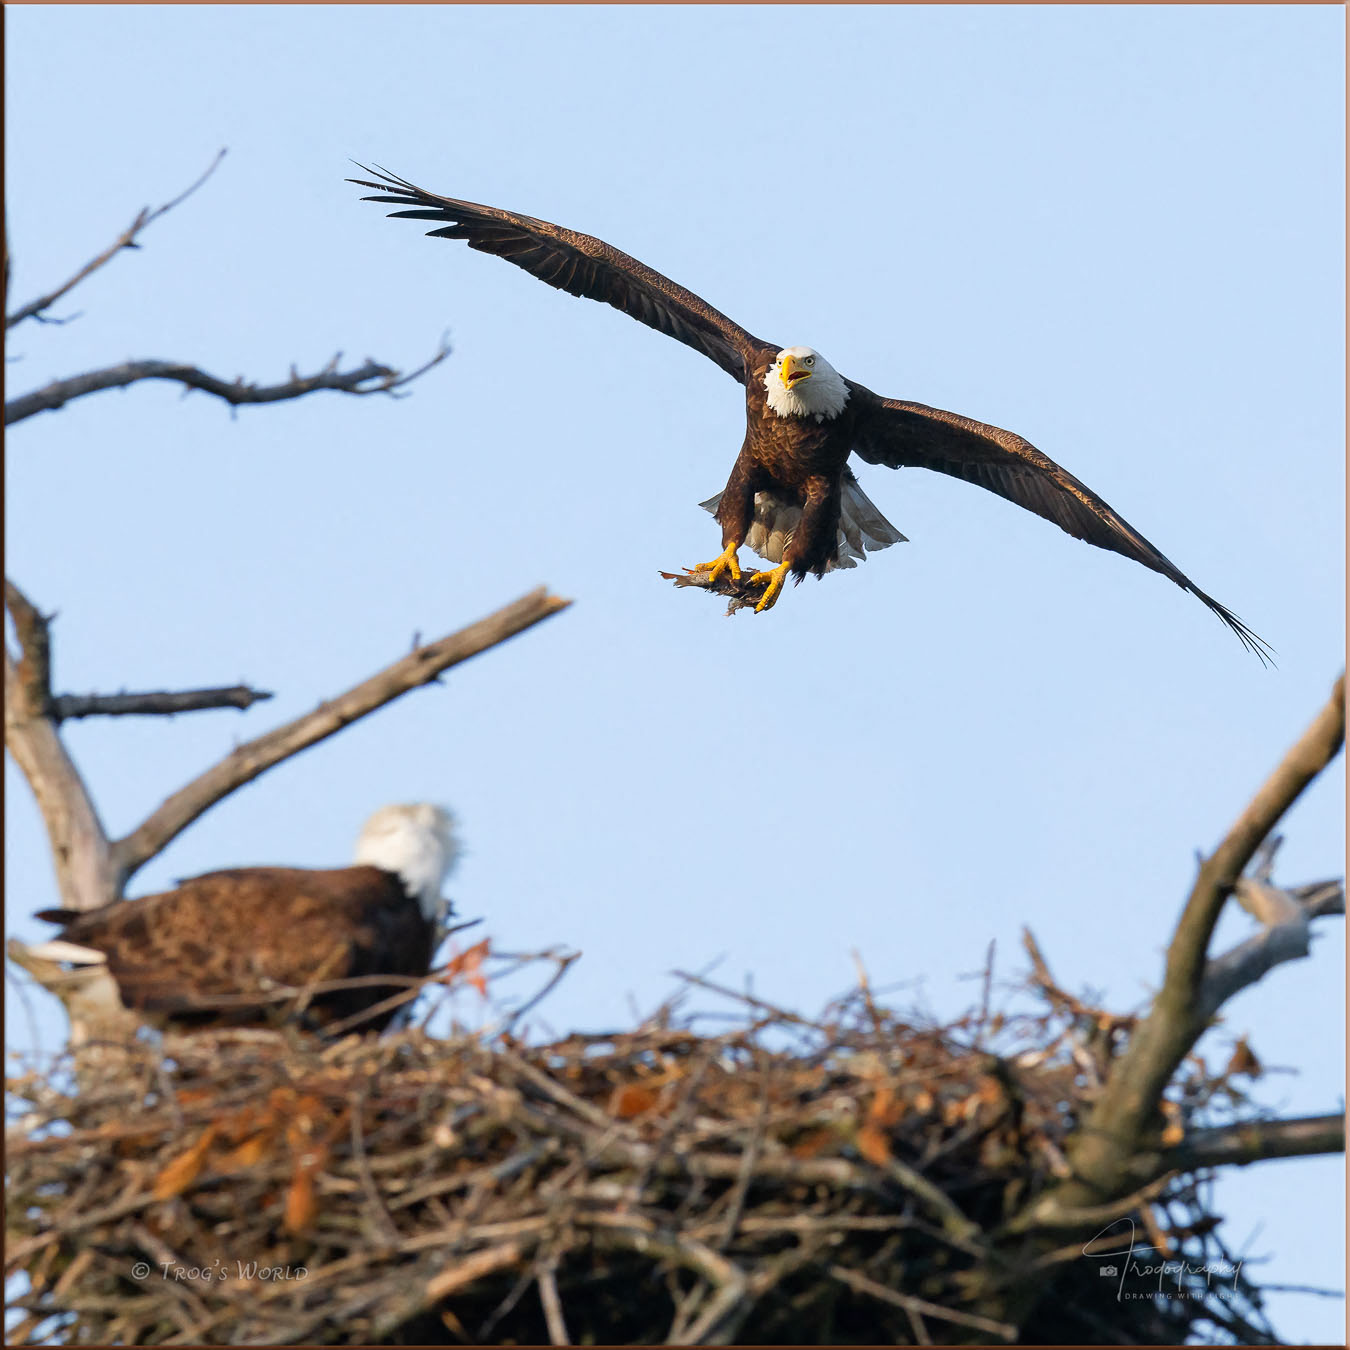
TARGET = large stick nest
(836,1181)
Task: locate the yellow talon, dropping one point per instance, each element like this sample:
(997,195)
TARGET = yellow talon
(775,580)
(726,561)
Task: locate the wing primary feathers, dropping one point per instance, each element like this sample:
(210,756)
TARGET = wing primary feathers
(576,263)
(901,434)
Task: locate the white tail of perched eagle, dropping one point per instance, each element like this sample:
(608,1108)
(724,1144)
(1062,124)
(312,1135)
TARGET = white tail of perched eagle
(228,947)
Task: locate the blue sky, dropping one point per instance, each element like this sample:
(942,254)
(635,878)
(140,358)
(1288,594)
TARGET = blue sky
(1116,230)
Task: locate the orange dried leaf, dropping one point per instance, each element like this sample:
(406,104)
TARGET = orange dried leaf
(885,1109)
(179,1174)
(990,1090)
(302,1206)
(631,1099)
(469,966)
(811,1145)
(1244,1061)
(249,1154)
(1174,1131)
(873,1145)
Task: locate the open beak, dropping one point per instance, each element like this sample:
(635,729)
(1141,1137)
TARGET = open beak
(793,371)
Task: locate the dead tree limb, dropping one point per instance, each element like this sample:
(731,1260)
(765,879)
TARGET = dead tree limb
(1286,935)
(1257,1140)
(1219,873)
(1120,1156)
(159,703)
(247,761)
(85,873)
(36,309)
(370,378)
(1177,1019)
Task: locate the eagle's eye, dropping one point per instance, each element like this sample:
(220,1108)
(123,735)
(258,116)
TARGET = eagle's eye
(810,360)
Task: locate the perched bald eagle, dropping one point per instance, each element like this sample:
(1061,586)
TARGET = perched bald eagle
(791,495)
(219,948)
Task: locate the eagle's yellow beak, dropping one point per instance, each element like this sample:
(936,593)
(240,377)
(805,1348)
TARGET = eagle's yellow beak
(793,370)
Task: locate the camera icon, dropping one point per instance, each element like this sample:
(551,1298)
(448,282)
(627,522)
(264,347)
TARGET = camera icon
(1108,1272)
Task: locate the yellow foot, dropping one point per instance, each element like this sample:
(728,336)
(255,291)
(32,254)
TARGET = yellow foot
(775,580)
(726,561)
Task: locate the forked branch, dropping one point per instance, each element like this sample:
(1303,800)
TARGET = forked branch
(36,309)
(369,378)
(248,761)
(1179,1015)
(79,844)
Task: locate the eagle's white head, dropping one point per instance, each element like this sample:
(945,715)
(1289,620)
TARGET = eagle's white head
(802,383)
(418,844)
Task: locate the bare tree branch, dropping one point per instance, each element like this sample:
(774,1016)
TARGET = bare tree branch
(370,378)
(1249,1141)
(247,761)
(1255,1141)
(162,703)
(1116,1156)
(34,671)
(1286,935)
(1164,1038)
(127,239)
(80,849)
(1219,873)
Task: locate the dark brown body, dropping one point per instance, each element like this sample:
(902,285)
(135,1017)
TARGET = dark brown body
(215,948)
(800,460)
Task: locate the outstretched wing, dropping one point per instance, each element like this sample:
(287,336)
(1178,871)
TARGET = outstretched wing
(903,435)
(579,265)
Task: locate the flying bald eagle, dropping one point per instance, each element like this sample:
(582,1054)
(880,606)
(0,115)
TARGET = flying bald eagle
(218,948)
(791,495)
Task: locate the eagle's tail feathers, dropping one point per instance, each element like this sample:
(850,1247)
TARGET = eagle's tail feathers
(862,528)
(60,950)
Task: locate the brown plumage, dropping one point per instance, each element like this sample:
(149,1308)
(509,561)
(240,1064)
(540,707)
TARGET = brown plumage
(791,494)
(232,947)
(178,955)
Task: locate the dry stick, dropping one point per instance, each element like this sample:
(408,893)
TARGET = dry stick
(370,378)
(557,1093)
(729,1281)
(751,1157)
(921,1336)
(255,757)
(80,851)
(127,239)
(552,1304)
(1088,1216)
(779,1014)
(160,703)
(20,1250)
(389,1233)
(562,963)
(909,1303)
